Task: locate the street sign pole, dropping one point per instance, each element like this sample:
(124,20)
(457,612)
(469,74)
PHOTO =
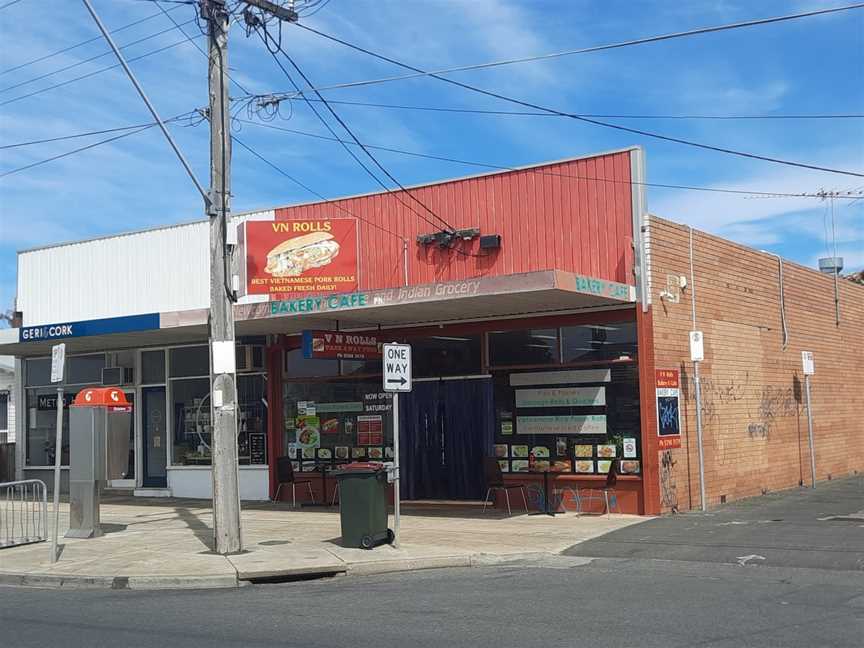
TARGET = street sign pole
(58,362)
(809,369)
(396,379)
(396,503)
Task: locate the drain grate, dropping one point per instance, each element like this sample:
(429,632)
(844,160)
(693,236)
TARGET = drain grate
(272,543)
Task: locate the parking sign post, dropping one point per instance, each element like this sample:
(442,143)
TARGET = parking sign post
(396,379)
(809,367)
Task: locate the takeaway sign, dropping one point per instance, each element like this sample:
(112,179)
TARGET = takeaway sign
(341,346)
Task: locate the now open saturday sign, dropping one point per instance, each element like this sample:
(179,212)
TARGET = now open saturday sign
(397,367)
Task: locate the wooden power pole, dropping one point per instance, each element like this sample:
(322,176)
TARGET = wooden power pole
(223,401)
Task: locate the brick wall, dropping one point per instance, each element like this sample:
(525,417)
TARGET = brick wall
(753,402)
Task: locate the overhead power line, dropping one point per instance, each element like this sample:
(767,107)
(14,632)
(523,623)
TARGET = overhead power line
(851,195)
(62,138)
(82,43)
(9,4)
(138,128)
(262,33)
(92,74)
(95,57)
(539,113)
(335,202)
(585,50)
(587,120)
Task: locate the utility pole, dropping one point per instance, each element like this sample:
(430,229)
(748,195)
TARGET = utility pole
(226,490)
(223,401)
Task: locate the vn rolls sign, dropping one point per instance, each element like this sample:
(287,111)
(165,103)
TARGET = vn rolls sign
(301,256)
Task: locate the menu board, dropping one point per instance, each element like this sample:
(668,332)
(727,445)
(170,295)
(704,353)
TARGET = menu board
(370,430)
(257,448)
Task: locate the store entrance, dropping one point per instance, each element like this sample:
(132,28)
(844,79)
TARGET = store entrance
(446,427)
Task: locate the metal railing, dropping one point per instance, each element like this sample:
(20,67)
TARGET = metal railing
(23,512)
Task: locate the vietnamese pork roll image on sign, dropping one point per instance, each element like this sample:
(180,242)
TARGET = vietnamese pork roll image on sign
(301,256)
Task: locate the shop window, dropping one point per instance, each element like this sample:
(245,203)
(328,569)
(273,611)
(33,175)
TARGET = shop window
(85,370)
(41,422)
(361,367)
(152,367)
(191,421)
(523,347)
(37,372)
(252,418)
(328,423)
(573,421)
(4,411)
(189,361)
(445,355)
(598,342)
(296,366)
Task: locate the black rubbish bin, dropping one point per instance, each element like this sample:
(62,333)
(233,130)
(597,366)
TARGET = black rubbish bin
(363,505)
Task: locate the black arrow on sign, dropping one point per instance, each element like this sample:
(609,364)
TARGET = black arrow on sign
(399,381)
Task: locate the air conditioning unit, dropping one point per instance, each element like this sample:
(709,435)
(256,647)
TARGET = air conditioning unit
(250,357)
(117,376)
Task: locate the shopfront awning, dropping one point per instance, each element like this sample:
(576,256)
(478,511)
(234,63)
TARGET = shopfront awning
(534,293)
(530,294)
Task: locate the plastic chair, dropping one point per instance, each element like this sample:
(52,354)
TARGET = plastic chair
(495,482)
(285,475)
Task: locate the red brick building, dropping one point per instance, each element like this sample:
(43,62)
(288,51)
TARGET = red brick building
(548,316)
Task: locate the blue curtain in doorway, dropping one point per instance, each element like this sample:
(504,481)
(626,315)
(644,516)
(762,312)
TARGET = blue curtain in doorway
(469,434)
(420,445)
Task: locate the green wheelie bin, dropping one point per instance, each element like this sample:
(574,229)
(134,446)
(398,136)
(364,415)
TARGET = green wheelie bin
(363,505)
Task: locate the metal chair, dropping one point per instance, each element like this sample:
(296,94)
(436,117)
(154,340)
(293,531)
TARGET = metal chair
(495,482)
(285,475)
(609,493)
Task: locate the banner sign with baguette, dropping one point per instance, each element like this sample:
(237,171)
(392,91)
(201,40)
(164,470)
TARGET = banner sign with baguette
(291,257)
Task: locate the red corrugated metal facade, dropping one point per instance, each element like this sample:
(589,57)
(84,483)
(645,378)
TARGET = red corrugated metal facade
(574,215)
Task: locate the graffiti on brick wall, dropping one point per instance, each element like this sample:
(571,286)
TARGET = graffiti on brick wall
(775,402)
(766,403)
(668,487)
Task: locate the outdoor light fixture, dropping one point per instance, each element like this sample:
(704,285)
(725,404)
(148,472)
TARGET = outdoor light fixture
(444,239)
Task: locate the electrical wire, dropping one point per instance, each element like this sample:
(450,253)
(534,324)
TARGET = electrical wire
(75,136)
(769,194)
(194,44)
(586,50)
(91,74)
(627,129)
(136,129)
(84,42)
(263,34)
(535,113)
(93,58)
(324,199)
(9,4)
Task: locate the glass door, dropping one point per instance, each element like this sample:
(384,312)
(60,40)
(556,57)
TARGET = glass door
(154,437)
(129,480)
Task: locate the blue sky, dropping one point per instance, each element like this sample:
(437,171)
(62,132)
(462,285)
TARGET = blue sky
(814,66)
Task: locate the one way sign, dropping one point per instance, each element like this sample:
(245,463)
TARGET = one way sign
(397,367)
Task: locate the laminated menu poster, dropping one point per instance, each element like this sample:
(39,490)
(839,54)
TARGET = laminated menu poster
(308,432)
(370,430)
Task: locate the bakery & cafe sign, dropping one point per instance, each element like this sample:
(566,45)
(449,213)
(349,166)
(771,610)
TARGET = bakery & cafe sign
(291,257)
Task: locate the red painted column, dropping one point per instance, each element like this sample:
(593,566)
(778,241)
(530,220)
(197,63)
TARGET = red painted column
(274,411)
(648,413)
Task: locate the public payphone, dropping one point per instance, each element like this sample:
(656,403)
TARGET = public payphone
(99,421)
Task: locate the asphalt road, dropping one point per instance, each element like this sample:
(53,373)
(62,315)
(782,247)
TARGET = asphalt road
(648,598)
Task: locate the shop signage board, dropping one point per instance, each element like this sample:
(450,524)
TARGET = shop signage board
(257,448)
(292,257)
(106,326)
(561,397)
(565,424)
(560,377)
(668,388)
(397,367)
(340,346)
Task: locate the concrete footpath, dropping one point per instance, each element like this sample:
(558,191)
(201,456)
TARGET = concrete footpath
(167,544)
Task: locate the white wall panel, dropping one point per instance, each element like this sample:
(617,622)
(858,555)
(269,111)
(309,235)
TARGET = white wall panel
(143,272)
